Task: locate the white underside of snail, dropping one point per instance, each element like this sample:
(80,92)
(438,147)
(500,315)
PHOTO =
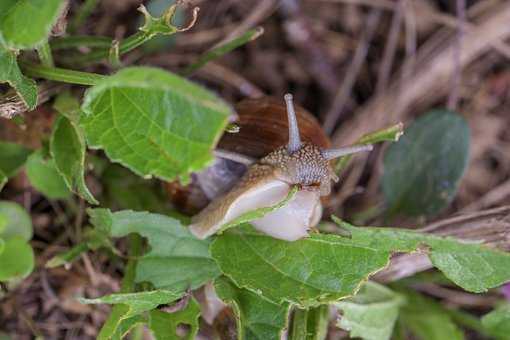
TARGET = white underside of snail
(269,181)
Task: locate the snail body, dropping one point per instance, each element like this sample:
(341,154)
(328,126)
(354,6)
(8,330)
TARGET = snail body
(269,180)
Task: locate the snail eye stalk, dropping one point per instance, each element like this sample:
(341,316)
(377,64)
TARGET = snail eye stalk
(294,138)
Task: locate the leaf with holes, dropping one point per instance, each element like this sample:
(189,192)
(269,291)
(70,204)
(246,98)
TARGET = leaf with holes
(169,326)
(11,74)
(154,122)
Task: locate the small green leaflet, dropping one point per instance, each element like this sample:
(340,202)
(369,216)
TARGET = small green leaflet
(11,74)
(165,326)
(259,213)
(44,177)
(67,147)
(16,254)
(14,221)
(177,260)
(154,122)
(257,318)
(16,259)
(371,313)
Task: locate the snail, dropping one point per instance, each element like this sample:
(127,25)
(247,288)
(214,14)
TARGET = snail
(299,162)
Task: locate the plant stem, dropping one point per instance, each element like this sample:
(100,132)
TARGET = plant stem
(391,133)
(61,74)
(81,40)
(317,322)
(299,324)
(218,51)
(125,46)
(44,52)
(135,250)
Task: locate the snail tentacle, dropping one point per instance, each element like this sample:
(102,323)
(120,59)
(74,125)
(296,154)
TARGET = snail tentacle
(294,137)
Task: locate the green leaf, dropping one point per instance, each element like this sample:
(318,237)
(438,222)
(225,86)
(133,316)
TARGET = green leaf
(14,221)
(318,269)
(371,313)
(427,319)
(154,122)
(11,74)
(12,157)
(422,171)
(164,326)
(2,246)
(44,177)
(28,23)
(137,302)
(67,147)
(497,322)
(16,260)
(326,268)
(257,318)
(177,260)
(472,266)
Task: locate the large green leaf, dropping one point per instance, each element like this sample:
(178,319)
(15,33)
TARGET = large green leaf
(427,319)
(176,260)
(11,74)
(44,177)
(497,322)
(318,269)
(16,259)
(325,268)
(67,147)
(14,221)
(371,313)
(154,122)
(165,326)
(257,318)
(12,157)
(27,23)
(422,171)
